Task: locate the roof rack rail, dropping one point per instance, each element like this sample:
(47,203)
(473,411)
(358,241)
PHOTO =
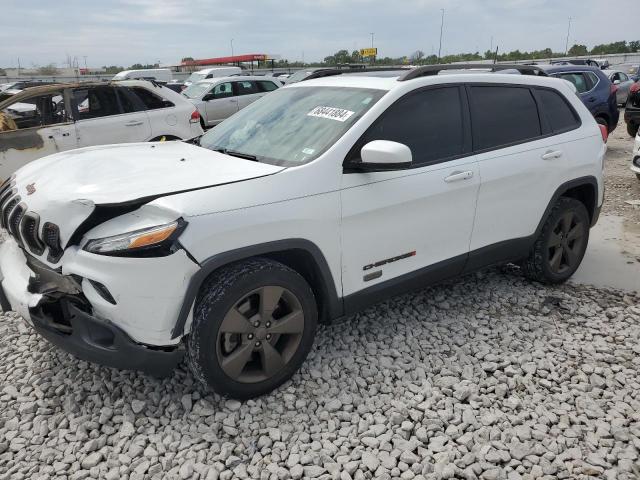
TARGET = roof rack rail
(429,70)
(328,72)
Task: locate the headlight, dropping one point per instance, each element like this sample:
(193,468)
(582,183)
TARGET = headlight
(155,241)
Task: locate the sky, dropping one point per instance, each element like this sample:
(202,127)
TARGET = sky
(124,32)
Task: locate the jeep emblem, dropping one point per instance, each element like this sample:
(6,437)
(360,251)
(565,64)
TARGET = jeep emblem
(31,188)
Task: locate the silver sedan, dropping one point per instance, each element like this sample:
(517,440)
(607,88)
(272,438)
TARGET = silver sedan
(622,81)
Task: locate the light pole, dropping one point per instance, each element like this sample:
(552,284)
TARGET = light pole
(566,45)
(371,39)
(232,47)
(441,26)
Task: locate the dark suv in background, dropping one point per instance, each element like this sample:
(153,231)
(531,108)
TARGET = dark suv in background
(594,89)
(632,109)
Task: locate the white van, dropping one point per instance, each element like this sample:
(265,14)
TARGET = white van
(213,72)
(157,74)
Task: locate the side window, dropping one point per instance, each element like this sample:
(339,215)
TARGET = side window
(96,102)
(39,111)
(623,77)
(578,79)
(223,90)
(502,116)
(150,99)
(127,102)
(614,77)
(266,86)
(246,88)
(558,112)
(429,122)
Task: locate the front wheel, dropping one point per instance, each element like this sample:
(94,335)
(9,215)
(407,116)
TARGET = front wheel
(560,247)
(253,325)
(632,129)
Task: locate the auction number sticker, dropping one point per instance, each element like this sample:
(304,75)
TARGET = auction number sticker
(331,113)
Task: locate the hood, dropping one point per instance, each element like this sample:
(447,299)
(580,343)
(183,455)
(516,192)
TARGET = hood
(121,173)
(67,187)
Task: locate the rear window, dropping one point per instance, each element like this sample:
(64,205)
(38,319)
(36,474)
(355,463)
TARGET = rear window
(150,99)
(246,88)
(558,112)
(503,116)
(266,86)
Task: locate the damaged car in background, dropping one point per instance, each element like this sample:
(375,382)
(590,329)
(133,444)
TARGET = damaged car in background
(54,118)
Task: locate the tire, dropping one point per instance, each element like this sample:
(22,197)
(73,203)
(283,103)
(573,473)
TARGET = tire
(602,121)
(632,129)
(234,356)
(555,256)
(638,176)
(204,127)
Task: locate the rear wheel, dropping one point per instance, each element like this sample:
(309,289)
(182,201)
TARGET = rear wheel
(602,121)
(560,247)
(632,128)
(253,326)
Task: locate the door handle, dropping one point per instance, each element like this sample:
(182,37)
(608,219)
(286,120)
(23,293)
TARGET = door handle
(457,175)
(133,124)
(551,154)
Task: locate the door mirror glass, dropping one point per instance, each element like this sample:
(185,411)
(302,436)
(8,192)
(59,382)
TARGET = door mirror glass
(385,154)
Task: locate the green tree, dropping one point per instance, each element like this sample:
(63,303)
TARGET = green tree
(578,49)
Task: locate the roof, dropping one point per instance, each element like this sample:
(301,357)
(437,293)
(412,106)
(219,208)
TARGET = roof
(361,80)
(235,78)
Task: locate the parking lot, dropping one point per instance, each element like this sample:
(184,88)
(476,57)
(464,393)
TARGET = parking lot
(490,377)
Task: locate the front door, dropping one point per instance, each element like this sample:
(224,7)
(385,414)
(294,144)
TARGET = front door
(103,120)
(418,220)
(33,128)
(220,103)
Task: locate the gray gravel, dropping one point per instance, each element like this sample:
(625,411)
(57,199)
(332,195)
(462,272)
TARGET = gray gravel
(489,377)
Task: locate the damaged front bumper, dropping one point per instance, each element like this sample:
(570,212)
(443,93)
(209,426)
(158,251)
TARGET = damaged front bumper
(65,309)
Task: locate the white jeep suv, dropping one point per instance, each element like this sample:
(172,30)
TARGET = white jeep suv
(311,204)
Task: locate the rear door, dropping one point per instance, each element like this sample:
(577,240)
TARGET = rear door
(103,116)
(520,163)
(35,127)
(247,92)
(220,103)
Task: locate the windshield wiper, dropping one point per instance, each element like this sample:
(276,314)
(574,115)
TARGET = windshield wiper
(233,153)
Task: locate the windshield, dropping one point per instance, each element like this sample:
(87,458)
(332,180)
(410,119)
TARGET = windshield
(196,77)
(299,76)
(291,126)
(196,90)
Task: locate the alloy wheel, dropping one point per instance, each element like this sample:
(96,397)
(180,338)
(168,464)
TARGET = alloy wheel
(566,243)
(260,334)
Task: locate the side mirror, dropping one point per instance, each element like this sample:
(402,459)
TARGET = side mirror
(616,82)
(384,154)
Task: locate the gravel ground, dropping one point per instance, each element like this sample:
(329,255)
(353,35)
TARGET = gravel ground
(488,377)
(621,183)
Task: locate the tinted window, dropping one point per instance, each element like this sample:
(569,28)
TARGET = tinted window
(266,86)
(503,116)
(96,102)
(559,114)
(150,99)
(126,101)
(428,122)
(246,88)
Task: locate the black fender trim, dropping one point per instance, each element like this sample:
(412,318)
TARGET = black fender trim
(333,302)
(562,189)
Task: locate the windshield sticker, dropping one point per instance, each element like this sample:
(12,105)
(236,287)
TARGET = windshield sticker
(331,113)
(308,151)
